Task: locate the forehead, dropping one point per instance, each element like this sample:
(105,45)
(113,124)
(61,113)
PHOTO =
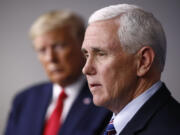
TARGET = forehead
(59,33)
(53,36)
(101,34)
(104,29)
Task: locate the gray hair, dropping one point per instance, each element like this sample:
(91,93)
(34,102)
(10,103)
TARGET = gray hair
(56,20)
(137,28)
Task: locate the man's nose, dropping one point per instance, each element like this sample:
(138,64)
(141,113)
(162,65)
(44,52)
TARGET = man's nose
(89,67)
(50,55)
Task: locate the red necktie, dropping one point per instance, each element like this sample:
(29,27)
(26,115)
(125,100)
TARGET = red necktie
(53,124)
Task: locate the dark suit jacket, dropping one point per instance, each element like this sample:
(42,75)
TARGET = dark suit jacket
(160,115)
(28,112)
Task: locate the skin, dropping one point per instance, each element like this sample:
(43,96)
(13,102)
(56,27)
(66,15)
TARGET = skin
(115,77)
(60,54)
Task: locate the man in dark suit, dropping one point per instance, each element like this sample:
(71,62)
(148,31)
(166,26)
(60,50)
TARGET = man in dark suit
(125,50)
(63,106)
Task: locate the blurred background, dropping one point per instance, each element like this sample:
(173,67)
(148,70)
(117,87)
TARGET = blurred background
(19,67)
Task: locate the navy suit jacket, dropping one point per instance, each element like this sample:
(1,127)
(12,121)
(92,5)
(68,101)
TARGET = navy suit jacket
(27,116)
(160,115)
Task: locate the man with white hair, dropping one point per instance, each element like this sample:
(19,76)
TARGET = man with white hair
(125,50)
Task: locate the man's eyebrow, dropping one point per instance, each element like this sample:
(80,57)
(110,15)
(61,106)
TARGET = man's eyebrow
(96,50)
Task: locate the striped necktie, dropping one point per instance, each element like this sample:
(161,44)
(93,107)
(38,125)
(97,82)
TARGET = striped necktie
(110,130)
(53,124)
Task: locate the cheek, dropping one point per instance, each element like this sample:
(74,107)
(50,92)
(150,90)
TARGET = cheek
(64,59)
(109,74)
(68,56)
(113,77)
(111,84)
(43,63)
(72,62)
(108,79)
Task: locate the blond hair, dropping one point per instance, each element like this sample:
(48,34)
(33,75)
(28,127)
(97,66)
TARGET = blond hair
(56,20)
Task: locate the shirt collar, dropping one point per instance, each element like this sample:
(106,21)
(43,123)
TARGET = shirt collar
(71,90)
(126,114)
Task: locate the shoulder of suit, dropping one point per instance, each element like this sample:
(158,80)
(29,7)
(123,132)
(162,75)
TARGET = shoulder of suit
(31,90)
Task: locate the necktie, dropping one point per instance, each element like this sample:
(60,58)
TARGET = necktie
(53,124)
(110,130)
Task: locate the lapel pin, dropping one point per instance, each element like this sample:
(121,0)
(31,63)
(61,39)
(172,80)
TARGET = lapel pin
(87,101)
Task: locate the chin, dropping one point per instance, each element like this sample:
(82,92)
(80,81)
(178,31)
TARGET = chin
(98,101)
(57,80)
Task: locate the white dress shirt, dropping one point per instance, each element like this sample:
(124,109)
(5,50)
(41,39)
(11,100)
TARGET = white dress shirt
(127,113)
(72,92)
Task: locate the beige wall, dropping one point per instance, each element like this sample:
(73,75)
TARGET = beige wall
(19,67)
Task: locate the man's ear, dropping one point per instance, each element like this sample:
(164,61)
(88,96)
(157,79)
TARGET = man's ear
(146,57)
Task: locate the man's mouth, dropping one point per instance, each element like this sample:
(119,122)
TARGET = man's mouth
(94,86)
(54,69)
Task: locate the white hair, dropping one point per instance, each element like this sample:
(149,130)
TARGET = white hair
(110,12)
(137,28)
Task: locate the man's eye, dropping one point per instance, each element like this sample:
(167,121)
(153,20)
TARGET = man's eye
(41,50)
(59,46)
(101,53)
(86,56)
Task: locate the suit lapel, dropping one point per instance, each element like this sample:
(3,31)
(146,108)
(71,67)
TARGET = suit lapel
(44,100)
(146,112)
(77,111)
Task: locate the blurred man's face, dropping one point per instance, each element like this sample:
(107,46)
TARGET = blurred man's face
(60,54)
(111,72)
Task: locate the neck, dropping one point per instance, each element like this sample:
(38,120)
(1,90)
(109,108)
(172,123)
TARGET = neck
(145,82)
(69,81)
(141,86)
